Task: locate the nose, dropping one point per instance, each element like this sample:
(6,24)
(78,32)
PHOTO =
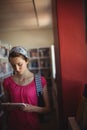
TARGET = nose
(17,68)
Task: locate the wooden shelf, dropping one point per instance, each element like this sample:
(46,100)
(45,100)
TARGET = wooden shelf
(5,67)
(40,61)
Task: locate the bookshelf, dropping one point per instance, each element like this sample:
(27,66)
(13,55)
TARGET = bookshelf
(40,61)
(5,70)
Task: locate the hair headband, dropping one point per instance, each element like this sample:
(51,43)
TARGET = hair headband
(19,50)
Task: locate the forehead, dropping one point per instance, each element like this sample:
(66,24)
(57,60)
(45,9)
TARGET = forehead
(14,60)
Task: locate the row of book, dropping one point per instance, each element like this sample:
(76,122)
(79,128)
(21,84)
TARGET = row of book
(5,67)
(41,63)
(42,52)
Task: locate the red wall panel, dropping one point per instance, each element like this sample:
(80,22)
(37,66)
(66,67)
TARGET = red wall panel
(71,27)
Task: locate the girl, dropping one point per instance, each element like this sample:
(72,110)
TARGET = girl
(20,88)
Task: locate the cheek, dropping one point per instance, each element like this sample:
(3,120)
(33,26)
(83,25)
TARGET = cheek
(24,66)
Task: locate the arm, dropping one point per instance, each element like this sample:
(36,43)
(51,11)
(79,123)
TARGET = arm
(5,97)
(46,108)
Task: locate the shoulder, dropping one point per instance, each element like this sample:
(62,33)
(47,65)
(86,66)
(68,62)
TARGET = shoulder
(6,81)
(43,80)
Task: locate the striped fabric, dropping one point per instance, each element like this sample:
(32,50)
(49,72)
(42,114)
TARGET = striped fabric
(38,83)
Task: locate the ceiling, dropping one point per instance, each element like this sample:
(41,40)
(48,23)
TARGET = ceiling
(25,14)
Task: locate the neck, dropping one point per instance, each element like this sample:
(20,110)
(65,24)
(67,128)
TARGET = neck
(24,75)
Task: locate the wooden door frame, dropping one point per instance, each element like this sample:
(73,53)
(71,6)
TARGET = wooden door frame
(58,80)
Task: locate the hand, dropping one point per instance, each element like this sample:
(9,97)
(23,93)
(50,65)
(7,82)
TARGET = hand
(26,108)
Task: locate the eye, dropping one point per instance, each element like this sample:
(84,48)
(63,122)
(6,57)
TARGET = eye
(20,64)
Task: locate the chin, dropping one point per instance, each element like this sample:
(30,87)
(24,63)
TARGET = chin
(19,73)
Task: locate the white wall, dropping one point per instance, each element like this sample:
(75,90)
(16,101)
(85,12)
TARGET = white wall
(29,39)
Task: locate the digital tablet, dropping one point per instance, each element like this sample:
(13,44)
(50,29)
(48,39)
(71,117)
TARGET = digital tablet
(12,105)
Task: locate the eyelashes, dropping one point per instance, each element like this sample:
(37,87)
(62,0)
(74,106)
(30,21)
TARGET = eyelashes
(19,65)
